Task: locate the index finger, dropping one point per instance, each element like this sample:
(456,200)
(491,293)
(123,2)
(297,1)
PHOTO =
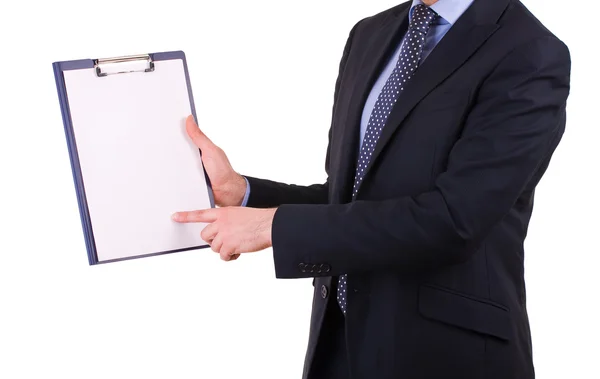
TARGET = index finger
(206,215)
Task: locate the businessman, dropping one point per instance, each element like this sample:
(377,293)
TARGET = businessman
(446,114)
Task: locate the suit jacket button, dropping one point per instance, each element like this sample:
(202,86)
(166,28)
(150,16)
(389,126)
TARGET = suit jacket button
(324,292)
(326,268)
(302,267)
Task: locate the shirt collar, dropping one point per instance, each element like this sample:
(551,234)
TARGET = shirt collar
(448,10)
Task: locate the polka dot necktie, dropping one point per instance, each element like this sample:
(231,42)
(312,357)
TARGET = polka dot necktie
(410,56)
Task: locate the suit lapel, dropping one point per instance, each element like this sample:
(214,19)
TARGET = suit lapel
(380,46)
(476,25)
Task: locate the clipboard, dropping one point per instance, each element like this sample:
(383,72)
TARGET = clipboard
(133,164)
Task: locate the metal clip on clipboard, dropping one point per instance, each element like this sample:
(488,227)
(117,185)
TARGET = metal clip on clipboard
(122,65)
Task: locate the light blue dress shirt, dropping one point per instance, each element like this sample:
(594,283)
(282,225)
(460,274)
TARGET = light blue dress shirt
(449,12)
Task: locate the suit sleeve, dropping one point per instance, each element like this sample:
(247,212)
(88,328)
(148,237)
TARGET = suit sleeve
(514,126)
(268,194)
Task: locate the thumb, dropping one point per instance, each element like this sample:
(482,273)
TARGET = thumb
(198,137)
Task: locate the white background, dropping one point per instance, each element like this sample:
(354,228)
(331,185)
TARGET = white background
(263,74)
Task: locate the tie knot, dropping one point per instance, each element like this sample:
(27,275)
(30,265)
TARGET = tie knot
(422,18)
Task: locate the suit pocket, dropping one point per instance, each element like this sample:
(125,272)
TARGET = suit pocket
(444,101)
(465,311)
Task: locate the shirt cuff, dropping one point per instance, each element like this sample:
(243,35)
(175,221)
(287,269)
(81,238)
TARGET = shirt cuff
(247,195)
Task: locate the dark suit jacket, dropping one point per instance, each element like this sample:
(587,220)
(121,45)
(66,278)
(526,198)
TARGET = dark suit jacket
(433,245)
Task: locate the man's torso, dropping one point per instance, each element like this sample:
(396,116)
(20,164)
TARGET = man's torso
(462,321)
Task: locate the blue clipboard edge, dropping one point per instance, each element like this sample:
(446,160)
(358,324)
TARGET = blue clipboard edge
(59,69)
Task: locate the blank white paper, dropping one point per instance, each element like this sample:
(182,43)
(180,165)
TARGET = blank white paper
(137,162)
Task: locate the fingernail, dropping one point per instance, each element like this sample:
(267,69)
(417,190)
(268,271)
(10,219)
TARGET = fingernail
(175,216)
